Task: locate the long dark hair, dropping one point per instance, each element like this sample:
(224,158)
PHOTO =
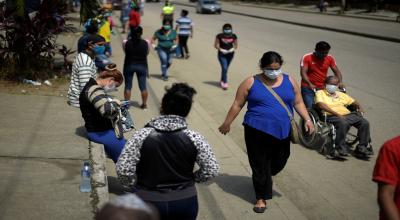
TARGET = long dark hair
(136,34)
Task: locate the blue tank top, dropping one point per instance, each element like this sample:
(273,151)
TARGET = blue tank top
(265,113)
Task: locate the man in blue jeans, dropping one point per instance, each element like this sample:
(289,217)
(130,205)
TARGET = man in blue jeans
(314,70)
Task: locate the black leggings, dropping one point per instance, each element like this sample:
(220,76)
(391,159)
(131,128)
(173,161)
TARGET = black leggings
(267,157)
(183,44)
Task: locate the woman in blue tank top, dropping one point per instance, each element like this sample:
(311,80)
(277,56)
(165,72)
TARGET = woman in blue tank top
(266,123)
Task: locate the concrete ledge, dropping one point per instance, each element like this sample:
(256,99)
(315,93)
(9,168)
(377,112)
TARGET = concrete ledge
(99,194)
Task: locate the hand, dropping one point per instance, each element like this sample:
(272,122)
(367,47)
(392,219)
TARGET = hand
(231,50)
(309,126)
(153,46)
(173,47)
(191,36)
(342,87)
(118,102)
(312,87)
(224,128)
(223,51)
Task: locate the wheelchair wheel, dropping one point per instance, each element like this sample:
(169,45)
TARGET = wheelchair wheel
(351,138)
(312,141)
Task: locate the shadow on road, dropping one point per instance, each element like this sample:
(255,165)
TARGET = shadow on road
(212,83)
(240,186)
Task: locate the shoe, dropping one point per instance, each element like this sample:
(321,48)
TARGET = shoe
(259,209)
(165,78)
(343,153)
(187,56)
(143,106)
(225,86)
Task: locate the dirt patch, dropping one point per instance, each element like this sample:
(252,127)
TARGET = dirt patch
(59,87)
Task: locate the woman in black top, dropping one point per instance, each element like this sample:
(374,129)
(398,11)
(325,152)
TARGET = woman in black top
(136,51)
(226,44)
(101,112)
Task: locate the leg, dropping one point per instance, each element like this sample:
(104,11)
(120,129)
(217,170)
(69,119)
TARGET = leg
(342,127)
(164,61)
(181,45)
(308,96)
(281,153)
(112,145)
(128,76)
(162,208)
(224,66)
(142,78)
(362,126)
(184,209)
(260,162)
(184,46)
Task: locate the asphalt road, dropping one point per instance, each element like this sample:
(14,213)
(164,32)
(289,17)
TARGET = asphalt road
(320,188)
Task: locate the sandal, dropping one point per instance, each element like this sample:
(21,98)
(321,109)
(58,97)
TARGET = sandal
(257,209)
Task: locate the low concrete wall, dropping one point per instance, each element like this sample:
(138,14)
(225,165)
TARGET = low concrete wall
(99,194)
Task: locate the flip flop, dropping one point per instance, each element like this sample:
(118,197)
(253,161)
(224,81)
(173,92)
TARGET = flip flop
(259,209)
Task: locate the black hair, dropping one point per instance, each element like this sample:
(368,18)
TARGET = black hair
(329,78)
(166,20)
(136,33)
(94,38)
(227,26)
(185,12)
(177,100)
(269,58)
(93,26)
(322,45)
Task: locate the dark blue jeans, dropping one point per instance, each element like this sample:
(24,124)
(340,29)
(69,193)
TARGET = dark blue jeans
(112,145)
(224,61)
(141,73)
(308,96)
(165,59)
(184,209)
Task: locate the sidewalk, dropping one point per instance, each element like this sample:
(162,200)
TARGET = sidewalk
(364,26)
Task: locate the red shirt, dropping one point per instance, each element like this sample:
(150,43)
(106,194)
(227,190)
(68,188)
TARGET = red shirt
(387,167)
(317,69)
(134,18)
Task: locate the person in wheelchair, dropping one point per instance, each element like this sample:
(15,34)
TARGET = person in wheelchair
(335,105)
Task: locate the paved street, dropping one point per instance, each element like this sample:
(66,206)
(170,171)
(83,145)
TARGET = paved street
(39,142)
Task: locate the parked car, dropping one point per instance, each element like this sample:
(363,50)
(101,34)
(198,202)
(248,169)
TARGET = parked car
(208,6)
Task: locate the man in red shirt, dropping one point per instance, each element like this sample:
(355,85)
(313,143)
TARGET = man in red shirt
(314,70)
(387,175)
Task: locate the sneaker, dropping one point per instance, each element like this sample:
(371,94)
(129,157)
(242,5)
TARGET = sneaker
(165,78)
(225,86)
(187,56)
(361,151)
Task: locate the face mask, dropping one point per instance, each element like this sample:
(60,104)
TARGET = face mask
(227,31)
(273,74)
(110,88)
(98,50)
(320,55)
(331,88)
(167,27)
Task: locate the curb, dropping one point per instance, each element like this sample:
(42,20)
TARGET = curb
(99,193)
(372,36)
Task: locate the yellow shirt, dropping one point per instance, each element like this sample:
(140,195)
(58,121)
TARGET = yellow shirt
(168,10)
(337,102)
(105,31)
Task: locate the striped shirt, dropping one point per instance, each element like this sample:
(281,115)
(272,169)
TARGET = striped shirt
(185,25)
(82,70)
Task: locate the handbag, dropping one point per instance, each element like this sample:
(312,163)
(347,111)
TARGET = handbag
(294,128)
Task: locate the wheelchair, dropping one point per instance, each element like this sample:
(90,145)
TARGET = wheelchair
(323,139)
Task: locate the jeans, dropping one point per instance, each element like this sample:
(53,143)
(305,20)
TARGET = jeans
(267,157)
(183,45)
(184,209)
(308,96)
(165,59)
(112,145)
(343,125)
(224,61)
(141,73)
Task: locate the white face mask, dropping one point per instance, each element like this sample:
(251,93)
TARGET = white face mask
(331,88)
(110,88)
(273,74)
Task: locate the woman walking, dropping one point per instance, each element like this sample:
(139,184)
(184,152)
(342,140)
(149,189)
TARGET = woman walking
(266,122)
(158,161)
(136,51)
(101,113)
(167,42)
(226,43)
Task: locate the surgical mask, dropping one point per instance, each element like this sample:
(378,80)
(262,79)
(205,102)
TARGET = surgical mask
(331,88)
(227,31)
(98,50)
(273,74)
(110,88)
(167,27)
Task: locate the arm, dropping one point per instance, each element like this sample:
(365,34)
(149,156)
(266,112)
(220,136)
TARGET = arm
(303,73)
(130,157)
(235,44)
(300,107)
(216,44)
(84,74)
(386,201)
(358,106)
(191,31)
(326,108)
(206,160)
(238,103)
(103,103)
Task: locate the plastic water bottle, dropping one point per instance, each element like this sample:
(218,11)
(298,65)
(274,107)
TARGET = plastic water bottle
(85,185)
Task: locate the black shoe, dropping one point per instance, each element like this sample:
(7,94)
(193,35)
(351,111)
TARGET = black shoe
(165,78)
(259,209)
